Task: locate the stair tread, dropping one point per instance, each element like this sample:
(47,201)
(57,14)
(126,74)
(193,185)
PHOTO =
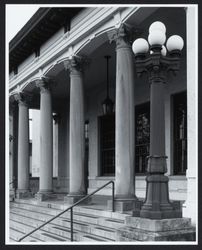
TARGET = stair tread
(93,227)
(97,238)
(53,236)
(31,211)
(14,233)
(35,206)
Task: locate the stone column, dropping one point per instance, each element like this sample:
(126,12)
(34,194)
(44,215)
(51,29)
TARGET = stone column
(190,206)
(125,127)
(46,140)
(76,131)
(23,146)
(11,157)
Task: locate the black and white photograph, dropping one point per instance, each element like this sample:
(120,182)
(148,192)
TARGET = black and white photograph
(101,124)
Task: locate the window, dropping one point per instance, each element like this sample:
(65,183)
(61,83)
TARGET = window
(107,144)
(180,133)
(142,136)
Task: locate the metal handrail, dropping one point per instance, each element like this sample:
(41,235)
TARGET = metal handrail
(71,211)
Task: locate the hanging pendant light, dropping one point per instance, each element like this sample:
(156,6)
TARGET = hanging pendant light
(107,104)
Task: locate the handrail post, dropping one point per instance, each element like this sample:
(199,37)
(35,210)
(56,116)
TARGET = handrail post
(112,196)
(71,218)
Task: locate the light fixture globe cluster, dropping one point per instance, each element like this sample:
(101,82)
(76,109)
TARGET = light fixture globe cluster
(156,39)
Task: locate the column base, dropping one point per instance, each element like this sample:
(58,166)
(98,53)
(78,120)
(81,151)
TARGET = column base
(12,194)
(157,204)
(123,204)
(166,213)
(44,195)
(23,193)
(142,229)
(71,199)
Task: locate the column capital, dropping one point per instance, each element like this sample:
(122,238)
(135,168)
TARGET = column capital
(44,84)
(76,64)
(122,35)
(23,98)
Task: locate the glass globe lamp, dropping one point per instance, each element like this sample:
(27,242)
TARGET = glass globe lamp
(175,42)
(140,46)
(157,26)
(156,37)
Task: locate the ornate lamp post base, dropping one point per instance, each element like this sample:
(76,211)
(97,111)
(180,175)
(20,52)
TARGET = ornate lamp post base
(157,204)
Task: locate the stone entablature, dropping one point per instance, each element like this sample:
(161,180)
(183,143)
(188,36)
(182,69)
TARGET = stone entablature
(72,42)
(69,43)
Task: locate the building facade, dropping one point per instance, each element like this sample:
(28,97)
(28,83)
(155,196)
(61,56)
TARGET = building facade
(58,70)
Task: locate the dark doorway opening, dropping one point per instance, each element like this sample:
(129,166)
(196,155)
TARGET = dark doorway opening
(142,136)
(107,145)
(180,133)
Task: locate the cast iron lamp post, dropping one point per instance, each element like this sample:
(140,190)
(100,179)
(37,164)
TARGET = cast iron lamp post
(151,58)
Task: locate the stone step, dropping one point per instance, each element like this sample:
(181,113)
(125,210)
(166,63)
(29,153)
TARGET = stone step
(90,224)
(64,222)
(111,222)
(90,228)
(36,218)
(20,229)
(86,218)
(30,214)
(78,216)
(35,222)
(61,231)
(15,235)
(35,208)
(48,236)
(101,212)
(104,232)
(48,204)
(89,237)
(88,209)
(61,226)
